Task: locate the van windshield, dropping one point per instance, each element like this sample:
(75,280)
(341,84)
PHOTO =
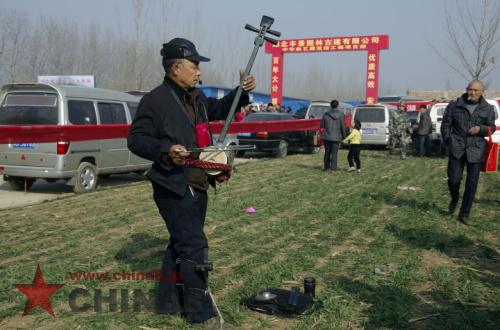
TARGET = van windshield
(317,111)
(370,115)
(29,109)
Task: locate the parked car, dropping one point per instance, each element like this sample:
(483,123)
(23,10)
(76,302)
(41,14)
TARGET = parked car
(279,143)
(79,163)
(301,113)
(496,107)
(318,108)
(231,140)
(374,120)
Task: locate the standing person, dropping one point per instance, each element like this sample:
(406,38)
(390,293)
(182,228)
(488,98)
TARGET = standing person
(354,147)
(334,131)
(399,127)
(469,116)
(161,131)
(424,129)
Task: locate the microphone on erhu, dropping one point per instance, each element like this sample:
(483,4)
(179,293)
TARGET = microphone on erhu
(199,82)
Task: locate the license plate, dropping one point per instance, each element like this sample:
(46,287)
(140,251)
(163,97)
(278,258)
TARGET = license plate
(243,134)
(368,131)
(24,145)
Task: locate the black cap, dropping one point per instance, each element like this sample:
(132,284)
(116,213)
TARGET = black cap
(181,48)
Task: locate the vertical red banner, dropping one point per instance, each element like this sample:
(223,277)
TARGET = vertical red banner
(372,76)
(277,77)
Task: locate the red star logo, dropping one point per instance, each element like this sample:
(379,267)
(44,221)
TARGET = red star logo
(38,293)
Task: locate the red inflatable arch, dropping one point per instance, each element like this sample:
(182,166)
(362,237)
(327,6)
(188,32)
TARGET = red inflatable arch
(371,44)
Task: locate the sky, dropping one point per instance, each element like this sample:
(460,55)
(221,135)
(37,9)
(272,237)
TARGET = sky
(408,64)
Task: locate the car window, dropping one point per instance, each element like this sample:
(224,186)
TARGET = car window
(133,109)
(112,113)
(370,115)
(317,111)
(81,112)
(29,109)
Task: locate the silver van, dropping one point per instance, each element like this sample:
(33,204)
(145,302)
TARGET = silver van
(374,120)
(318,108)
(78,162)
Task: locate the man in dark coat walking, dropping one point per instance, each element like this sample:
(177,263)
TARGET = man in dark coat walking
(334,131)
(424,129)
(464,126)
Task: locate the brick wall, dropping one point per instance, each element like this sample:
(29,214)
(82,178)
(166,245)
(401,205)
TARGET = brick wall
(430,95)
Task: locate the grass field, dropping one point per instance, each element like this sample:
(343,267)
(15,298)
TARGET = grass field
(383,258)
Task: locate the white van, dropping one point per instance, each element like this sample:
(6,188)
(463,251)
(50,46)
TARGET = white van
(78,162)
(374,120)
(496,107)
(318,108)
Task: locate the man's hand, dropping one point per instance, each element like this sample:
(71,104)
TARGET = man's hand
(177,154)
(249,82)
(474,130)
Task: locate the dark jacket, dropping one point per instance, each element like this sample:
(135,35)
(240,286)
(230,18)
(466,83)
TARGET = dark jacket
(160,123)
(333,123)
(456,123)
(425,124)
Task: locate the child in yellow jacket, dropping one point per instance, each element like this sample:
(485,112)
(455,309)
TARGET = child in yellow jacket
(355,147)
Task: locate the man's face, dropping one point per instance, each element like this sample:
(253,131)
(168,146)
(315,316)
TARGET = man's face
(474,91)
(423,110)
(401,108)
(187,73)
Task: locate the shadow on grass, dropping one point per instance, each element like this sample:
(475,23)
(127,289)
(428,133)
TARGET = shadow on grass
(458,247)
(412,202)
(143,251)
(391,307)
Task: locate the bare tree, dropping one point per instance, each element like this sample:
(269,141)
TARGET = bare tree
(472,28)
(14,35)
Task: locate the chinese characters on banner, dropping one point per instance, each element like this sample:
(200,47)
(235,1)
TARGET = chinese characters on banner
(87,81)
(371,44)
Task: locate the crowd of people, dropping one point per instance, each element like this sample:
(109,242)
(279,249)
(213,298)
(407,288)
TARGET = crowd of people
(466,122)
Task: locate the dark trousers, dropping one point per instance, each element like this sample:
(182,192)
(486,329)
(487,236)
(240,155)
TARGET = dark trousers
(423,144)
(331,151)
(185,218)
(354,151)
(455,174)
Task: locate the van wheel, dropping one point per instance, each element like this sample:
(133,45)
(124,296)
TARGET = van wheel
(17,183)
(86,178)
(315,150)
(282,150)
(240,153)
(230,154)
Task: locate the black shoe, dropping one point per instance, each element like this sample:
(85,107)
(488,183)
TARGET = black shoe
(465,220)
(451,207)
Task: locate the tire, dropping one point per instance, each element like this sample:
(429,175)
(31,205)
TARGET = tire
(240,153)
(282,150)
(17,183)
(315,150)
(230,154)
(86,178)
